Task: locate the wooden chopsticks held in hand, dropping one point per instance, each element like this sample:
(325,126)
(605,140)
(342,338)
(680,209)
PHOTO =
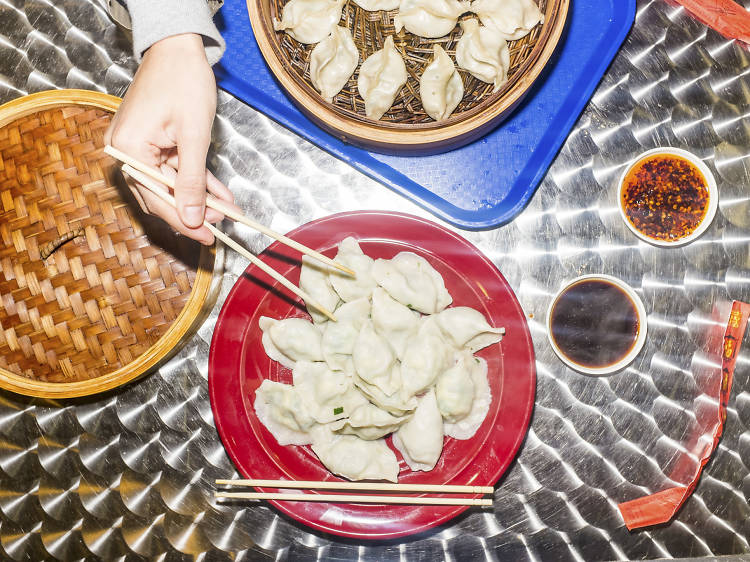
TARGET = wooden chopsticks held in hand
(225,209)
(369,486)
(156,189)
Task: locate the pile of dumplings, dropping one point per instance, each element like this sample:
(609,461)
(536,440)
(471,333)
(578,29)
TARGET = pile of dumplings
(396,361)
(482,49)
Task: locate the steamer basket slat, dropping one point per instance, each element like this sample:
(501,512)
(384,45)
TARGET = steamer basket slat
(405,128)
(93,293)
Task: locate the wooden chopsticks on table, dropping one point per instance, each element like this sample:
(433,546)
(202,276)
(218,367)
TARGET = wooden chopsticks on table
(151,178)
(366,486)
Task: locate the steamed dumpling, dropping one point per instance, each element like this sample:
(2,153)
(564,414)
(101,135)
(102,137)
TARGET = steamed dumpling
(440,86)
(326,395)
(352,288)
(354,458)
(483,53)
(398,403)
(381,77)
(512,19)
(339,337)
(290,340)
(429,18)
(377,5)
(280,408)
(313,279)
(466,327)
(466,427)
(427,355)
(412,281)
(374,359)
(420,440)
(332,62)
(369,422)
(392,320)
(309,21)
(454,389)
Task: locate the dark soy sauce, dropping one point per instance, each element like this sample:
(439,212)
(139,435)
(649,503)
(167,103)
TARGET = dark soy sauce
(594,323)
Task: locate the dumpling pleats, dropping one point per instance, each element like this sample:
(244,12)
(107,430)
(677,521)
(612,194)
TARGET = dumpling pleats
(466,427)
(420,440)
(309,21)
(429,18)
(332,62)
(354,458)
(279,407)
(440,86)
(483,53)
(381,77)
(290,340)
(512,19)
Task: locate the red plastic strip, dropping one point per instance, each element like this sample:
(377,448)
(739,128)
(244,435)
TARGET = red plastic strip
(660,507)
(725,16)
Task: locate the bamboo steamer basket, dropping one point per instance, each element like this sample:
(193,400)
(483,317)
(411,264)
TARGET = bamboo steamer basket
(119,289)
(405,128)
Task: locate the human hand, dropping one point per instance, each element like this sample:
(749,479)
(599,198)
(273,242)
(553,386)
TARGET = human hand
(165,122)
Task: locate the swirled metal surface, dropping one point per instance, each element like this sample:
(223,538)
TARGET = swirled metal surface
(128,475)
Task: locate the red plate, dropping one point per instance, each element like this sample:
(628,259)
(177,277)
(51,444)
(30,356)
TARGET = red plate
(238,365)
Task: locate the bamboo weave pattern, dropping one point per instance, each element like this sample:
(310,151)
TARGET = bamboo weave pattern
(99,300)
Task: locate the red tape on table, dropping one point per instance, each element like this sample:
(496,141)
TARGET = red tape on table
(661,507)
(725,16)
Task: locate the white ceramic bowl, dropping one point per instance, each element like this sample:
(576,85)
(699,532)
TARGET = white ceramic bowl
(713,196)
(639,341)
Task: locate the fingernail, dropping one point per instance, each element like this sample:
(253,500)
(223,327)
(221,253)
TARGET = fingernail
(194,214)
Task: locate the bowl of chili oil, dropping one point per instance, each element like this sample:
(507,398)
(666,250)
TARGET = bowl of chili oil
(668,197)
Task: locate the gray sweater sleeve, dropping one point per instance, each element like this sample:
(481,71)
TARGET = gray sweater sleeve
(153,20)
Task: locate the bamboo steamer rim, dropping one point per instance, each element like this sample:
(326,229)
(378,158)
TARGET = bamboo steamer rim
(381,135)
(33,103)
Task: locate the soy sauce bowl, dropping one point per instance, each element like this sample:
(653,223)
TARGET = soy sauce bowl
(596,324)
(677,236)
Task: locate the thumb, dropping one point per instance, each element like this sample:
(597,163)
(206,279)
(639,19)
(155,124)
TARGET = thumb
(190,185)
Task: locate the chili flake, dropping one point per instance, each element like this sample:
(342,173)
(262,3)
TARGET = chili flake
(665,197)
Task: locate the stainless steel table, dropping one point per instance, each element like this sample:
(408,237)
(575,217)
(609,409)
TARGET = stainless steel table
(129,474)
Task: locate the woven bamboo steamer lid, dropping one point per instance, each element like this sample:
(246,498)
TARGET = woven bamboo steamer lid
(405,128)
(108,305)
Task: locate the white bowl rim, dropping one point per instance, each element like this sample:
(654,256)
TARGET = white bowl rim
(713,196)
(642,326)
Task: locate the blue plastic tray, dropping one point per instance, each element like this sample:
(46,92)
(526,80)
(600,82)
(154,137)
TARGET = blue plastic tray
(488,182)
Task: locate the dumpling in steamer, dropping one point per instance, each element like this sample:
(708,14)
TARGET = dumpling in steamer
(280,408)
(332,62)
(392,320)
(381,77)
(466,427)
(290,340)
(420,440)
(483,53)
(454,389)
(313,279)
(512,19)
(440,86)
(354,458)
(412,281)
(429,18)
(466,327)
(377,5)
(352,288)
(309,21)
